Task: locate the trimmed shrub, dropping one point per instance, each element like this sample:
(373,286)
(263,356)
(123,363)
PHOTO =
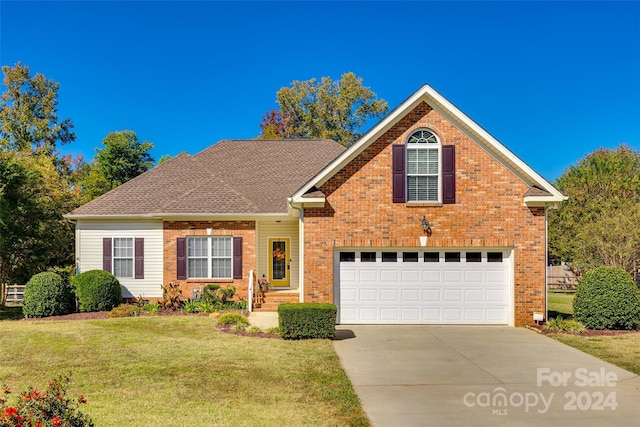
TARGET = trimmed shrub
(607,298)
(125,310)
(237,320)
(97,290)
(307,320)
(46,294)
(571,326)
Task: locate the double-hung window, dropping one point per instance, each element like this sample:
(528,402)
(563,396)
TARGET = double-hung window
(123,257)
(423,167)
(210,257)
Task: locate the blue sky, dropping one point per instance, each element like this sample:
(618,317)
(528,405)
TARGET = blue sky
(552,81)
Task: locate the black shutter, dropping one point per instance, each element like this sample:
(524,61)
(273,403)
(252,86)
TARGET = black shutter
(237,257)
(448,174)
(106,254)
(181,252)
(398,171)
(139,258)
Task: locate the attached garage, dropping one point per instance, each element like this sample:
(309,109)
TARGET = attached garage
(447,286)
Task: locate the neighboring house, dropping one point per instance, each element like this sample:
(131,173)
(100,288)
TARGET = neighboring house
(329,224)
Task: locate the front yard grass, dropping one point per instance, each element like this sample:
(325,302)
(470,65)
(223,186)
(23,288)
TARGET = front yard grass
(181,371)
(560,304)
(622,350)
(10,313)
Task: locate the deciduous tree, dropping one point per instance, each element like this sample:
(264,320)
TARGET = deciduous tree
(323,109)
(600,223)
(28,112)
(123,158)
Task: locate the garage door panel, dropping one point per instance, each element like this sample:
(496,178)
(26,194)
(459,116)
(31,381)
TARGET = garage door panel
(348,295)
(348,275)
(452,276)
(473,315)
(453,315)
(368,275)
(390,295)
(432,295)
(410,295)
(473,295)
(497,276)
(410,314)
(432,276)
(496,295)
(473,276)
(390,314)
(368,295)
(410,276)
(452,295)
(425,292)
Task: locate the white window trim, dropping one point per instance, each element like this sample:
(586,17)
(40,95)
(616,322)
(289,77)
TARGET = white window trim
(210,257)
(132,258)
(425,146)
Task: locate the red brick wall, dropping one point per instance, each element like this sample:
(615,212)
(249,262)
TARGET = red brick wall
(174,229)
(489,212)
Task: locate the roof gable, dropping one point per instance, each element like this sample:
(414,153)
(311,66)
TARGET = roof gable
(476,133)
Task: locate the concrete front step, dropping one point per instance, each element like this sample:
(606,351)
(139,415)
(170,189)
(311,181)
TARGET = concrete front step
(271,300)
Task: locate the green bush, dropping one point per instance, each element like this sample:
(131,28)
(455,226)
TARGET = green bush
(307,320)
(237,320)
(607,298)
(125,310)
(46,294)
(571,326)
(97,290)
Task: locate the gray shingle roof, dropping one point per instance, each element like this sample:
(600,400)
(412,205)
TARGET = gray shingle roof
(231,176)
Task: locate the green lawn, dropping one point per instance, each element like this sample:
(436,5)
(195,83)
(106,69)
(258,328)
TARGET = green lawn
(560,304)
(620,350)
(181,371)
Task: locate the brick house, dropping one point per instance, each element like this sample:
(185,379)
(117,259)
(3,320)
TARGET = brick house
(426,219)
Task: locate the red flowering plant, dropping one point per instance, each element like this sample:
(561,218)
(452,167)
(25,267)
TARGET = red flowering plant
(263,285)
(51,408)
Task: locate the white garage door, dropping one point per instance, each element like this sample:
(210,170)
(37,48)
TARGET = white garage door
(423,287)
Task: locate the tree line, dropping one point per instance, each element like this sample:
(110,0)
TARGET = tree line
(599,224)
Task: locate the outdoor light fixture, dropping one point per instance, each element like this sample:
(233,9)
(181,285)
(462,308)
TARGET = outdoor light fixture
(425,226)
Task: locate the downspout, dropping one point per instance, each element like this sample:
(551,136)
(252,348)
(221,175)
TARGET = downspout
(300,249)
(546,263)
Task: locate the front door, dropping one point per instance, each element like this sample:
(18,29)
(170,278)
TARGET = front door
(279,262)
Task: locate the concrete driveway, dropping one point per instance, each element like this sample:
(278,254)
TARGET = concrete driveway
(478,376)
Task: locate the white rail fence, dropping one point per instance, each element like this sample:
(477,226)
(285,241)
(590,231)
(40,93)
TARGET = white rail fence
(12,294)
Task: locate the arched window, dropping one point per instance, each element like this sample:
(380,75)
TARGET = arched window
(423,167)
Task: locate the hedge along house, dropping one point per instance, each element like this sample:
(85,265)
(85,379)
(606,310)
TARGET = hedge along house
(426,219)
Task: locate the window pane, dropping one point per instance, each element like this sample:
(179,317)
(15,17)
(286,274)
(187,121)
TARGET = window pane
(197,267)
(123,267)
(221,246)
(122,247)
(410,256)
(494,257)
(389,257)
(347,257)
(422,188)
(452,257)
(197,247)
(474,257)
(221,268)
(431,257)
(367,257)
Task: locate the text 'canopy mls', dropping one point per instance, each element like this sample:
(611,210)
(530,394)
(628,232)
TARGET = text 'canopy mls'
(323,109)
